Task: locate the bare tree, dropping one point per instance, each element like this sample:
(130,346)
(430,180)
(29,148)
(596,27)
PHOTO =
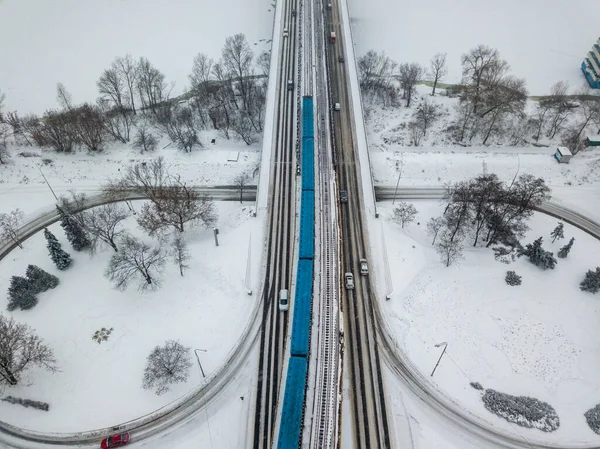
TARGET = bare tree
(589,112)
(20,349)
(241,181)
(449,250)
(437,69)
(127,69)
(561,107)
(507,96)
(181,255)
(264,62)
(175,206)
(166,365)
(111,87)
(64,98)
(136,262)
(425,115)
(144,140)
(9,226)
(57,130)
(409,75)
(481,67)
(375,76)
(2,99)
(416,133)
(179,123)
(405,213)
(149,178)
(15,123)
(241,124)
(104,224)
(434,225)
(151,85)
(90,125)
(237,60)
(118,123)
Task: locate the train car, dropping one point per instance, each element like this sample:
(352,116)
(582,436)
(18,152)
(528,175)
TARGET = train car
(290,427)
(308,126)
(308,163)
(302,308)
(307,225)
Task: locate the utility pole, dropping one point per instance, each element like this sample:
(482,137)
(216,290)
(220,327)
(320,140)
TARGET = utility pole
(386,263)
(198,358)
(399,176)
(49,186)
(443,352)
(216,232)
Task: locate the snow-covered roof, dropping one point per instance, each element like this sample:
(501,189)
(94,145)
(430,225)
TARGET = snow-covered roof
(595,138)
(564,151)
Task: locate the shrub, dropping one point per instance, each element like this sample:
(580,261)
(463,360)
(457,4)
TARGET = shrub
(27,403)
(512,278)
(592,416)
(591,282)
(476,385)
(522,410)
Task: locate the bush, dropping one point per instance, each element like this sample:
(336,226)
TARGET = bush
(537,255)
(512,278)
(503,254)
(592,416)
(591,282)
(522,410)
(27,403)
(477,386)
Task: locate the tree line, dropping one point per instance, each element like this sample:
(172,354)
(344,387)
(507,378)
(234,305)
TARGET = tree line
(135,101)
(492,101)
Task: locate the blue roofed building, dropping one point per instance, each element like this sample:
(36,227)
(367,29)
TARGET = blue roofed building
(591,66)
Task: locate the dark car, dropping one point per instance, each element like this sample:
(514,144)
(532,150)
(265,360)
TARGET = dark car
(341,59)
(115,441)
(343,196)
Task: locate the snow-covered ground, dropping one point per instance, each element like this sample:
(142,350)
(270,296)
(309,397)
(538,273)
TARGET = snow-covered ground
(539,339)
(22,184)
(73,41)
(99,385)
(544,41)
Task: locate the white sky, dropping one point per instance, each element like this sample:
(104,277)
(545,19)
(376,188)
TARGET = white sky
(73,41)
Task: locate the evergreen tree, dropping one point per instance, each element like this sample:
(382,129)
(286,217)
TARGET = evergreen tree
(591,282)
(558,232)
(564,251)
(537,255)
(74,232)
(40,280)
(61,259)
(20,294)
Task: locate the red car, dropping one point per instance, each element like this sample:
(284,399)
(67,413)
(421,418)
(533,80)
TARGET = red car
(115,441)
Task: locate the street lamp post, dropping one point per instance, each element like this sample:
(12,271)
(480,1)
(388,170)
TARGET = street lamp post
(198,358)
(399,176)
(442,355)
(216,232)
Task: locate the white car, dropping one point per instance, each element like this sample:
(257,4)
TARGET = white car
(284,303)
(364,267)
(349,278)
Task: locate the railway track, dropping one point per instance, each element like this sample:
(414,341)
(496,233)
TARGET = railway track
(326,349)
(280,238)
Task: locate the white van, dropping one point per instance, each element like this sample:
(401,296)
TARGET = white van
(336,106)
(349,277)
(284,303)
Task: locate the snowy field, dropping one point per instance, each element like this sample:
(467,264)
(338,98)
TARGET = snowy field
(99,385)
(75,40)
(539,339)
(22,184)
(543,41)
